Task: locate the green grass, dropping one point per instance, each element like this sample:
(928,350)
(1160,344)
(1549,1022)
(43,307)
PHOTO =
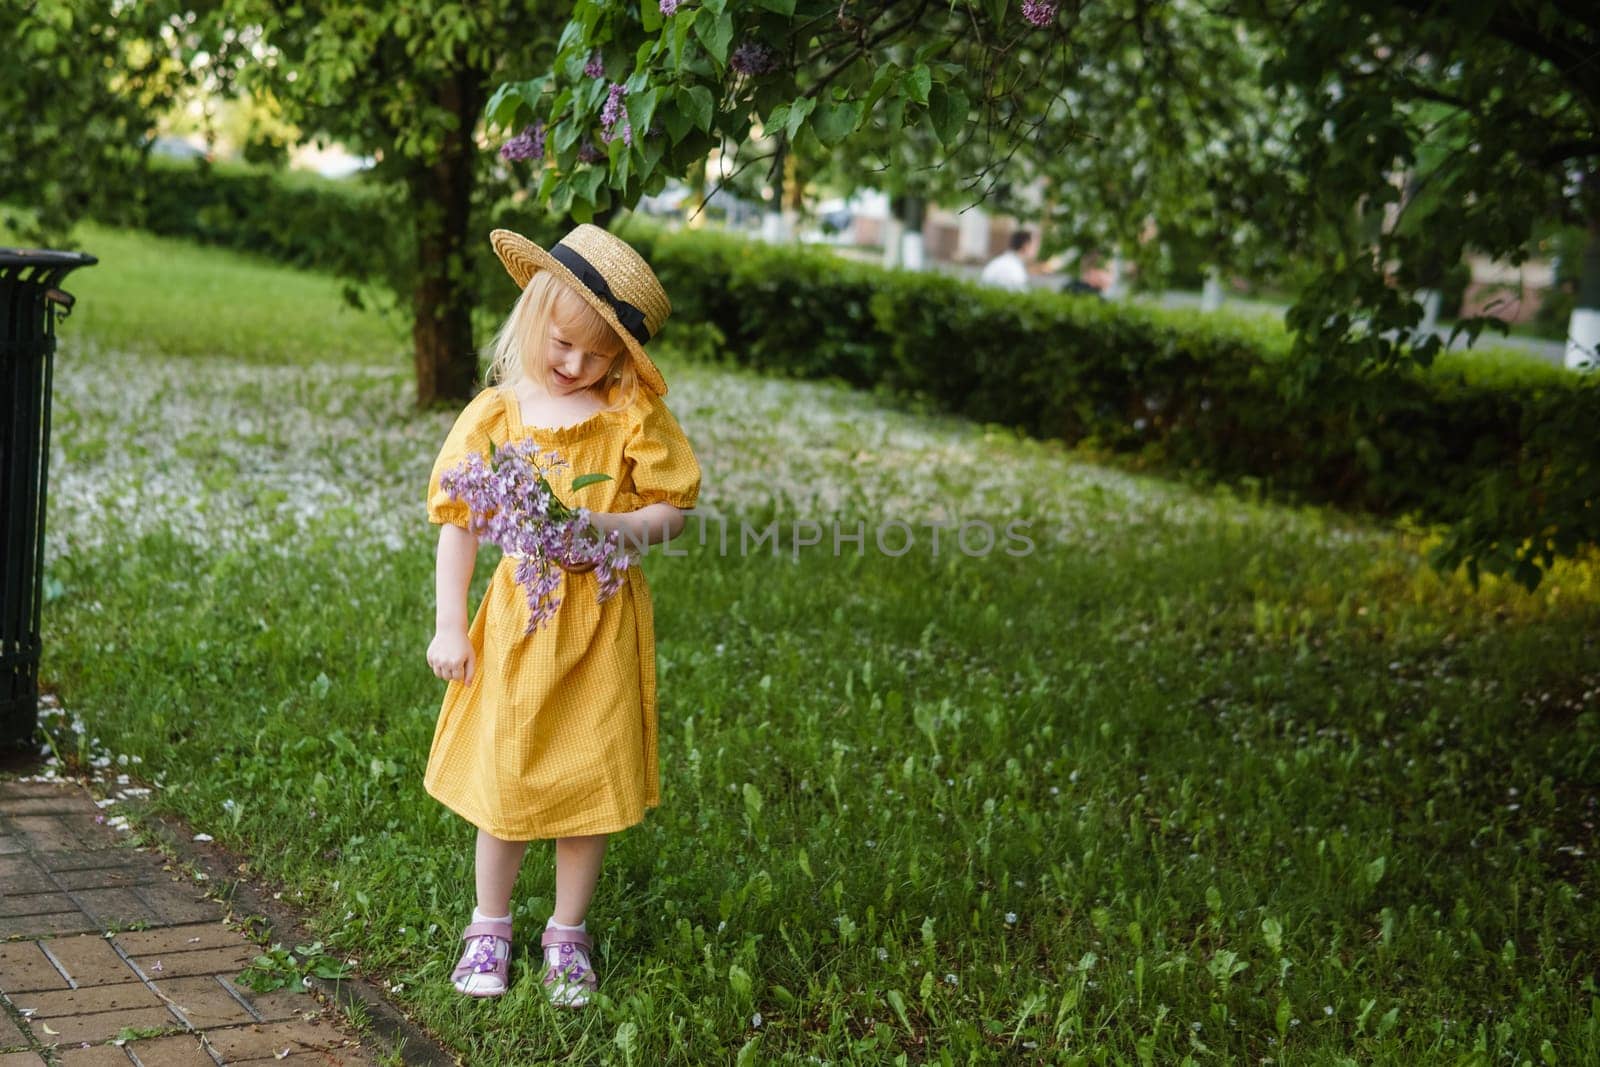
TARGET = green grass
(1198,779)
(166,297)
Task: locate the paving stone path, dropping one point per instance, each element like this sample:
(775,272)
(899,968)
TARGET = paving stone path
(100,939)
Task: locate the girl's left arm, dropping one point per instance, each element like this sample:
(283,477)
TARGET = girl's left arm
(652,524)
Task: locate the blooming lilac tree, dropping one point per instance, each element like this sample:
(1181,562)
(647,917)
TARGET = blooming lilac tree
(663,83)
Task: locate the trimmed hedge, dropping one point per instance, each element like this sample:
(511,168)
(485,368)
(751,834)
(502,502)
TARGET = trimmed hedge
(342,226)
(1504,451)
(349,226)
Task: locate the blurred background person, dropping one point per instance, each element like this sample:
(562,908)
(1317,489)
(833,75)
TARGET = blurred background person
(1009,270)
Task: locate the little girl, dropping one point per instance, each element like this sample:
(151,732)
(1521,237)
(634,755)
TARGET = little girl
(553,734)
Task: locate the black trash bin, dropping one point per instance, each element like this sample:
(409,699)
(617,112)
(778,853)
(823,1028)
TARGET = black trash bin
(30,303)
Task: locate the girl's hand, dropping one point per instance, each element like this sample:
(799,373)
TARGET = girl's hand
(576,568)
(451,656)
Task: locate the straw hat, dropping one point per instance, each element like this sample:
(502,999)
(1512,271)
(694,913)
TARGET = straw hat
(607,272)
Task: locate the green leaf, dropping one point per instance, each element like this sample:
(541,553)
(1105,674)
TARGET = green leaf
(623,165)
(716,34)
(880,84)
(501,110)
(898,1003)
(641,109)
(566,134)
(799,111)
(697,103)
(547,186)
(752,800)
(587,181)
(1272,930)
(589,479)
(328,967)
(835,121)
(650,15)
(947,109)
(650,157)
(739,981)
(917,82)
(626,1038)
(782,7)
(561,197)
(677,122)
(681,23)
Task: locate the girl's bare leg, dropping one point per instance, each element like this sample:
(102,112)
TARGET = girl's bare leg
(578,862)
(498,863)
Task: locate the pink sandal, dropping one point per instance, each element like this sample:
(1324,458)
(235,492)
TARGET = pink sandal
(569,983)
(479,956)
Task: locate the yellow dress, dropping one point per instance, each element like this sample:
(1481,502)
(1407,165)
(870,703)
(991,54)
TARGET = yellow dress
(556,735)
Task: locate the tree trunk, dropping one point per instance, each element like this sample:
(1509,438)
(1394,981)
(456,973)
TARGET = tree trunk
(441,195)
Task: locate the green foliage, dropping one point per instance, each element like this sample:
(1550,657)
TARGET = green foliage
(404,81)
(1500,455)
(80,85)
(278,968)
(1416,152)
(773,76)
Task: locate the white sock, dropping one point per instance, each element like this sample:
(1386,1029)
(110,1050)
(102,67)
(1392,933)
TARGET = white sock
(487,983)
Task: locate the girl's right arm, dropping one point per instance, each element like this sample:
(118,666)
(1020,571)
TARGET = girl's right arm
(450,653)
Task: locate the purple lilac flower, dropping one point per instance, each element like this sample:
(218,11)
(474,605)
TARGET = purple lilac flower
(511,505)
(609,135)
(1039,12)
(613,111)
(596,67)
(670,7)
(753,58)
(613,104)
(529,144)
(588,152)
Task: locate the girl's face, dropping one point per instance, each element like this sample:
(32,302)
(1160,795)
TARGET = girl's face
(572,367)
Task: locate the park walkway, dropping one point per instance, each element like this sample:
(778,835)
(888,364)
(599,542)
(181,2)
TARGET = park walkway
(100,939)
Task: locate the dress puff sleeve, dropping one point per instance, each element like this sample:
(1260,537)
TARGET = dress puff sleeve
(660,461)
(481,421)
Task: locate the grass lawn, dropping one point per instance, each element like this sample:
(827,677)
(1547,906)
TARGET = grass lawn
(1194,779)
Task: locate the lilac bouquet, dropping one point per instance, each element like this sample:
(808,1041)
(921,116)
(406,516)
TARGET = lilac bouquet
(513,507)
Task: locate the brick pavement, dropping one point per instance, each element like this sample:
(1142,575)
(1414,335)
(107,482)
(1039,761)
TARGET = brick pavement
(108,956)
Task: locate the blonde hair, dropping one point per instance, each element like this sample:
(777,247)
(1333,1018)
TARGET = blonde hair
(520,346)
